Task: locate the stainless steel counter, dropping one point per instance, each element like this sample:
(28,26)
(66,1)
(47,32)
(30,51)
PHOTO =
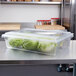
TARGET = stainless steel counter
(8,56)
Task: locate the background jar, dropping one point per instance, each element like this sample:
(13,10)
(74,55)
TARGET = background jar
(54,21)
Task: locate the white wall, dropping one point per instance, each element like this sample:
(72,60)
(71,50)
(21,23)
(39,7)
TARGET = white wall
(27,13)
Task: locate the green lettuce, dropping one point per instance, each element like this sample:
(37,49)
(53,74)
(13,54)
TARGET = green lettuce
(16,42)
(41,46)
(46,46)
(30,45)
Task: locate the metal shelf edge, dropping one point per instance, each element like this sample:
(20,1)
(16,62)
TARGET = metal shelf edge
(39,3)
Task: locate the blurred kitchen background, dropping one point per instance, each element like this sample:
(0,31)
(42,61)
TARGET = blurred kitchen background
(20,14)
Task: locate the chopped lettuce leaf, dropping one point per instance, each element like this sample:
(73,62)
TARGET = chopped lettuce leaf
(46,46)
(16,42)
(41,46)
(30,45)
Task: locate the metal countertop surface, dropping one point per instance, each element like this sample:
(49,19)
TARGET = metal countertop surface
(8,56)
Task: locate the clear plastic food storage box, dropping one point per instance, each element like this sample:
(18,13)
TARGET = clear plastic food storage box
(43,42)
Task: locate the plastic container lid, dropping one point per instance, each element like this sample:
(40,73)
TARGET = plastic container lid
(51,36)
